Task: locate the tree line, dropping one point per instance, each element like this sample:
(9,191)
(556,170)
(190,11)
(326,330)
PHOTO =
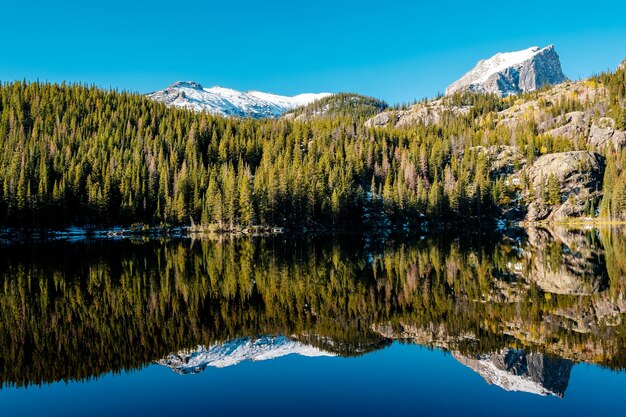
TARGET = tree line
(76,154)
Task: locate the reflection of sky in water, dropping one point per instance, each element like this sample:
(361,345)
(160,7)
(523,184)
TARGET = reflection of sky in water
(402,379)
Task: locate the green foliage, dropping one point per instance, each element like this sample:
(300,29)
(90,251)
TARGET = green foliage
(345,105)
(616,85)
(73,154)
(613,204)
(480,104)
(553,189)
(122,304)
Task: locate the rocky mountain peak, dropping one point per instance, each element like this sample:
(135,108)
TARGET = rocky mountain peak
(233,352)
(516,370)
(228,102)
(186,84)
(512,72)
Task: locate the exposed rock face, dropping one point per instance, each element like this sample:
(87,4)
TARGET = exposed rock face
(603,134)
(516,370)
(622,65)
(604,311)
(431,335)
(573,126)
(236,351)
(579,174)
(591,125)
(600,133)
(559,261)
(512,72)
(583,92)
(228,102)
(502,158)
(430,113)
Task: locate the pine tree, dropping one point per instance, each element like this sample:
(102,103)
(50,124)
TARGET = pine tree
(247,215)
(553,189)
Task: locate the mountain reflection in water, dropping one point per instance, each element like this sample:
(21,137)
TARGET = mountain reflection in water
(520,310)
(510,369)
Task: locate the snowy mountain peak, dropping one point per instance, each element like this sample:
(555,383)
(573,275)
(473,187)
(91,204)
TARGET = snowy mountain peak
(509,73)
(228,102)
(236,351)
(186,84)
(517,370)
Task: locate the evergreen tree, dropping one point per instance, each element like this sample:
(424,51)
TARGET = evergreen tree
(553,189)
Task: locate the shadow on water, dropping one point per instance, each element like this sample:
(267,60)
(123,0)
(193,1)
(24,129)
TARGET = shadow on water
(520,309)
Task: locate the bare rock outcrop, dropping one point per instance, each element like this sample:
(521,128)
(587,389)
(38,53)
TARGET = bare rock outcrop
(572,125)
(559,261)
(603,134)
(512,72)
(516,370)
(435,335)
(431,113)
(579,174)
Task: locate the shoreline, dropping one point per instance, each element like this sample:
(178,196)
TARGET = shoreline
(573,222)
(80,233)
(86,232)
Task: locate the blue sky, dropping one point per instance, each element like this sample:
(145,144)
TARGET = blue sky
(394,50)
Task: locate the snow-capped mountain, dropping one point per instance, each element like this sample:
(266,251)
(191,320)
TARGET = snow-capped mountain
(516,370)
(228,102)
(236,351)
(512,72)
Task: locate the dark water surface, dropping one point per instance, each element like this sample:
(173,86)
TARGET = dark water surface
(531,323)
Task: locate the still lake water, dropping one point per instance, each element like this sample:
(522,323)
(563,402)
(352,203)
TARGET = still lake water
(531,323)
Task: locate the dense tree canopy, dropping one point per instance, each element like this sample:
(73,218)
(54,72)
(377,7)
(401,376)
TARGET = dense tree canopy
(77,154)
(74,154)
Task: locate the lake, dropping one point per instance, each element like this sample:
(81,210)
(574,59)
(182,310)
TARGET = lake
(525,322)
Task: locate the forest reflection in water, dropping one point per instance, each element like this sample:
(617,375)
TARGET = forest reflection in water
(520,309)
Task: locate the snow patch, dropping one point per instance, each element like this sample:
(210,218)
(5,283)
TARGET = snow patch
(228,102)
(516,370)
(499,63)
(233,352)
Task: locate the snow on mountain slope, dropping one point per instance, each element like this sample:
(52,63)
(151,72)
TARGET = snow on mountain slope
(516,370)
(512,72)
(236,351)
(229,102)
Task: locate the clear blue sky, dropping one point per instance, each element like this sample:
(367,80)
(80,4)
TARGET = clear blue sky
(394,50)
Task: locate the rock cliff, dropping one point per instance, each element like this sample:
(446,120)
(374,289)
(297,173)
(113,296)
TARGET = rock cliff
(579,175)
(516,370)
(512,73)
